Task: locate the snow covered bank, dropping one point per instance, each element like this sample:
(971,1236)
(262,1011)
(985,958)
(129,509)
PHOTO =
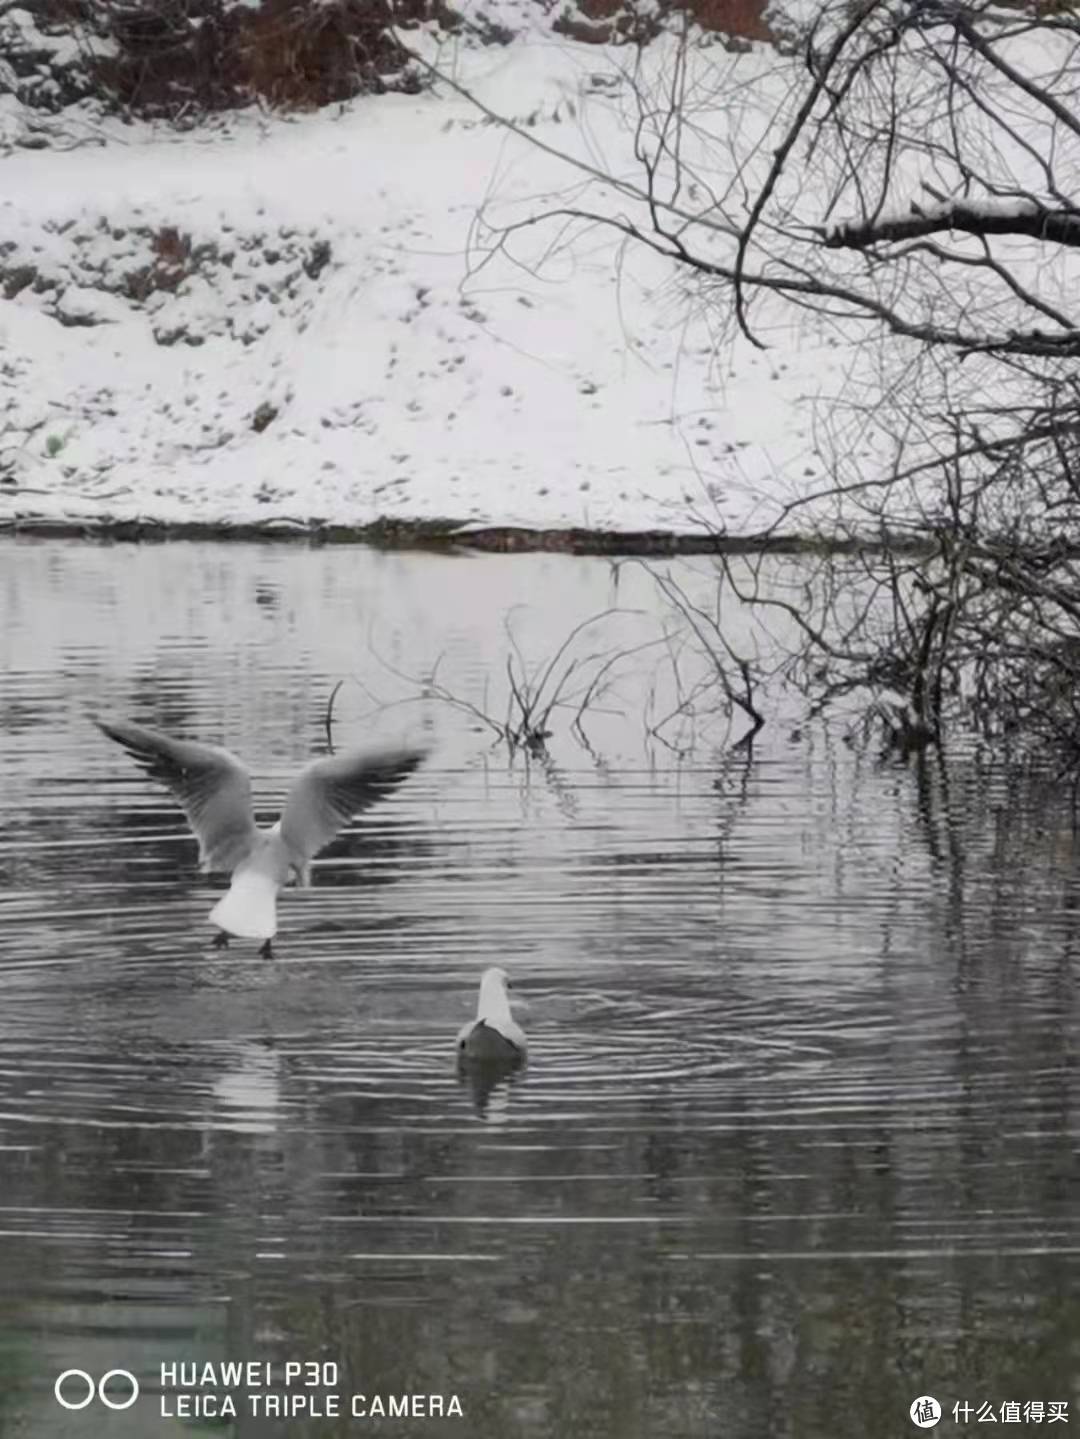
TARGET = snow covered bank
(273,322)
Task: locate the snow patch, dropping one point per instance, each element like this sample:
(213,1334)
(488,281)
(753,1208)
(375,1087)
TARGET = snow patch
(285,321)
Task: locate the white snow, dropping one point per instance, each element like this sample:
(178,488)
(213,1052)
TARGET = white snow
(18,29)
(175,286)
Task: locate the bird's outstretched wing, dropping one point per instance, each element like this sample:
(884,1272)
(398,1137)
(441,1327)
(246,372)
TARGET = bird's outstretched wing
(211,785)
(327,794)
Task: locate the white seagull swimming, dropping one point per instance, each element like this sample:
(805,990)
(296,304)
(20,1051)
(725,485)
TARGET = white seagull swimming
(213,789)
(494,1035)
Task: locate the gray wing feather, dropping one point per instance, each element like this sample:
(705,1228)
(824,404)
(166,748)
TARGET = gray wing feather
(211,786)
(329,792)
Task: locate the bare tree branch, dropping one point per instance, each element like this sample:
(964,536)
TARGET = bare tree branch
(1061,227)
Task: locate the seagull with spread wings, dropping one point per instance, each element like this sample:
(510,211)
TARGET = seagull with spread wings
(213,789)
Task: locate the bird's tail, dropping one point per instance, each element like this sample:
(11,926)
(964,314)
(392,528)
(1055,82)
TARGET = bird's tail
(249,909)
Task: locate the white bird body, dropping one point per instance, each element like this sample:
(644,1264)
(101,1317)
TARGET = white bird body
(214,791)
(494,1033)
(249,908)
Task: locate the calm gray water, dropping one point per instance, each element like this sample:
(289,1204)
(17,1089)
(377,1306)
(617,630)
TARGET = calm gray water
(797,1141)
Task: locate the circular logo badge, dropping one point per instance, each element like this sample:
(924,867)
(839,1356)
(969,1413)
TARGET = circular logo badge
(925,1412)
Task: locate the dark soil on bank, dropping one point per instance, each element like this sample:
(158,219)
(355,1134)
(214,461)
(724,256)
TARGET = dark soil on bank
(449,536)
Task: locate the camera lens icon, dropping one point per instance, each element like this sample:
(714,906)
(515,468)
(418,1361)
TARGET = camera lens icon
(67,1389)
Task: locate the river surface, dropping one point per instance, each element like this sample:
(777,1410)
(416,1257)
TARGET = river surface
(797,1139)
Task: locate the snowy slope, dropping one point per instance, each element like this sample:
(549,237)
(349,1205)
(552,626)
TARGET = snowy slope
(275,320)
